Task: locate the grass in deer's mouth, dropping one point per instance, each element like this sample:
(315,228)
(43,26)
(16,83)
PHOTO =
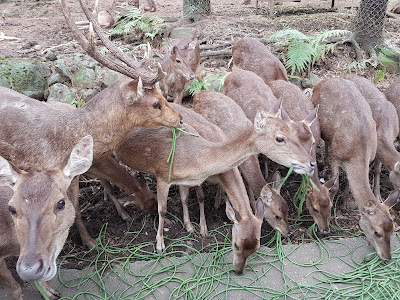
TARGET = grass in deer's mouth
(172,140)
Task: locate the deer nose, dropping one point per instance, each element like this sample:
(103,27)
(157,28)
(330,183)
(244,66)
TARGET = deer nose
(191,76)
(325,231)
(313,163)
(31,270)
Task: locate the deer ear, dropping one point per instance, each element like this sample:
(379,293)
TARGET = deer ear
(132,91)
(232,213)
(80,159)
(332,181)
(312,116)
(396,167)
(260,120)
(276,181)
(260,209)
(392,198)
(8,173)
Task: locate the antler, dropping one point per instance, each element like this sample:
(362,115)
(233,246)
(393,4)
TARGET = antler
(131,68)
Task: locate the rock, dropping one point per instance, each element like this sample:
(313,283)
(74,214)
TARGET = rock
(44,68)
(50,55)
(55,78)
(109,78)
(78,60)
(23,77)
(87,94)
(37,47)
(62,69)
(306,83)
(214,81)
(180,32)
(84,77)
(61,93)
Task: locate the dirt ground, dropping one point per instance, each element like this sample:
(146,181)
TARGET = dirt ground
(42,23)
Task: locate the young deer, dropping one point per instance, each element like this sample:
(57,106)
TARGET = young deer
(182,65)
(298,106)
(226,114)
(242,85)
(37,137)
(392,94)
(387,129)
(41,213)
(144,146)
(340,112)
(252,55)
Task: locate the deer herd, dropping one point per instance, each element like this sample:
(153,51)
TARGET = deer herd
(45,147)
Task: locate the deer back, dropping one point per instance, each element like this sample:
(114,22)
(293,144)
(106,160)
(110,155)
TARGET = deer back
(392,94)
(252,55)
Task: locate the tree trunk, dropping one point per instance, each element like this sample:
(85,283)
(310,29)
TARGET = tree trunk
(195,10)
(368,24)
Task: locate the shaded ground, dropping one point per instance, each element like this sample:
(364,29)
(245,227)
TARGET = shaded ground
(41,23)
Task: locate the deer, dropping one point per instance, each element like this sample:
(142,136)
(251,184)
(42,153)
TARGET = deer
(270,135)
(387,129)
(181,64)
(242,85)
(298,105)
(35,236)
(338,113)
(392,93)
(36,137)
(227,114)
(252,55)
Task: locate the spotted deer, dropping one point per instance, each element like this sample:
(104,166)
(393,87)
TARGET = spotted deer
(347,126)
(37,138)
(225,113)
(181,64)
(252,55)
(387,129)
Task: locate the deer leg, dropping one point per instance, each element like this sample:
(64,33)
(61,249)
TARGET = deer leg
(7,281)
(377,179)
(50,292)
(203,223)
(184,193)
(218,197)
(162,195)
(335,188)
(109,193)
(73,194)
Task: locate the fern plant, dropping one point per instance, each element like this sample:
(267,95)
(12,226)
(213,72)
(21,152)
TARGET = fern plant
(134,20)
(304,51)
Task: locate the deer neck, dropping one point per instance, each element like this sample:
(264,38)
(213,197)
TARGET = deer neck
(387,154)
(357,175)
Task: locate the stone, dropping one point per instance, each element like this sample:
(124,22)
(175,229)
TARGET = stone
(50,55)
(87,94)
(109,78)
(61,93)
(84,77)
(54,78)
(23,77)
(62,69)
(180,32)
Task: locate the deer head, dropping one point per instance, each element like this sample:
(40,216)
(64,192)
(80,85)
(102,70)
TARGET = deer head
(377,224)
(179,61)
(40,202)
(241,244)
(275,207)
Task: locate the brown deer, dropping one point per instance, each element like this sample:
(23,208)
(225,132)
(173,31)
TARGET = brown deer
(298,106)
(387,129)
(42,213)
(392,94)
(37,137)
(349,130)
(182,65)
(225,113)
(269,135)
(252,55)
(242,85)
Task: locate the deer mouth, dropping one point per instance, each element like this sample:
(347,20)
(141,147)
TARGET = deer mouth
(301,169)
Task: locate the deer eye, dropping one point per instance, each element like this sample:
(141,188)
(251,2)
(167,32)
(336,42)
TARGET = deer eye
(178,61)
(157,105)
(236,247)
(12,210)
(377,234)
(314,209)
(61,204)
(278,217)
(279,139)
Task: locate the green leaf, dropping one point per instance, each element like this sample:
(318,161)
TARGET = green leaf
(299,56)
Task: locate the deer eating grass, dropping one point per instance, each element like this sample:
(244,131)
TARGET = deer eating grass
(42,213)
(347,126)
(387,129)
(225,113)
(181,64)
(252,55)
(37,137)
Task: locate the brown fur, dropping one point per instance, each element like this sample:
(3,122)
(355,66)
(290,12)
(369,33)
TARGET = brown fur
(341,108)
(392,94)
(252,55)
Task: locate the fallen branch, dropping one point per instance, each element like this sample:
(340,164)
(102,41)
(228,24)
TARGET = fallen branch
(227,51)
(392,15)
(4,37)
(73,42)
